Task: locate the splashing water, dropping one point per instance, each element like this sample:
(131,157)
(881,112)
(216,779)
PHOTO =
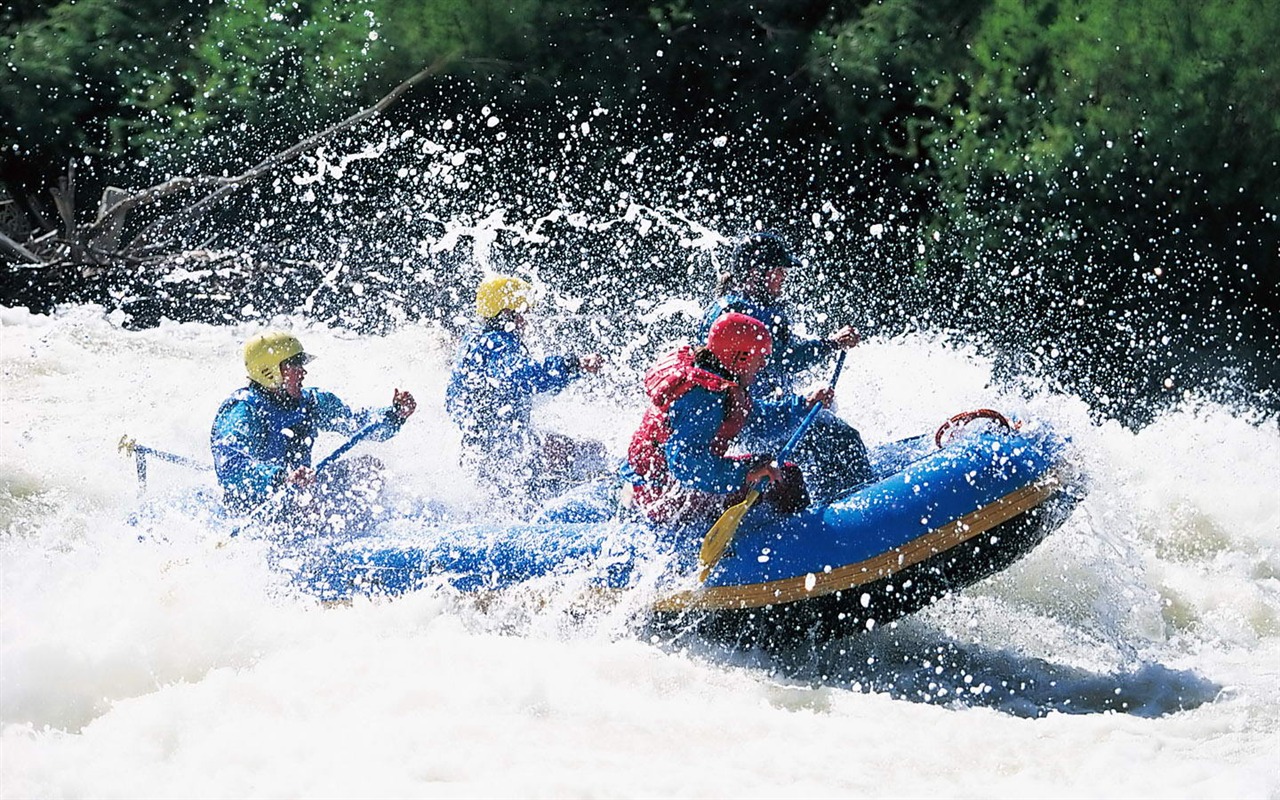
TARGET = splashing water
(1133,653)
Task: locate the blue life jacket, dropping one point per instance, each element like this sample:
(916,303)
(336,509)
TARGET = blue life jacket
(780,409)
(491,388)
(259,436)
(791,354)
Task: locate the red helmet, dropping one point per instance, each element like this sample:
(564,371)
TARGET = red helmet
(739,342)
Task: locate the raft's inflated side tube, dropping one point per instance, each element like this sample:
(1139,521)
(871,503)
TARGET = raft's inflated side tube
(941,521)
(945,522)
(472,558)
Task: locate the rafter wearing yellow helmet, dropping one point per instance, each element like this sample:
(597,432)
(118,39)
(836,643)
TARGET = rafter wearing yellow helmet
(264,353)
(490,397)
(503,293)
(263,434)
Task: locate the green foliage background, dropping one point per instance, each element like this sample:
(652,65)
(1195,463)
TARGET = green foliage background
(1028,105)
(1084,161)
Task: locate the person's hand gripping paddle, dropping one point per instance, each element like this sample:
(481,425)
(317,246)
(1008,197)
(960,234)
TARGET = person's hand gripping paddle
(721,534)
(261,512)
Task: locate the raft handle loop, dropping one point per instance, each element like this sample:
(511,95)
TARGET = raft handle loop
(957,422)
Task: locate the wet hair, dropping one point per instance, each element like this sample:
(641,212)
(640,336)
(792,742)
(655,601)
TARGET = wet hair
(705,359)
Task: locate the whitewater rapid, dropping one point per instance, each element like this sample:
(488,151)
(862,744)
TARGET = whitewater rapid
(1135,653)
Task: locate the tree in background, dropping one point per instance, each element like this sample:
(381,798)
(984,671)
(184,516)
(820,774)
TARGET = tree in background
(74,75)
(165,86)
(1098,169)
(1071,116)
(1017,156)
(169,81)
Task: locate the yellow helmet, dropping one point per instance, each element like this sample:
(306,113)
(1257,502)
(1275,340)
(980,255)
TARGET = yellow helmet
(501,293)
(263,354)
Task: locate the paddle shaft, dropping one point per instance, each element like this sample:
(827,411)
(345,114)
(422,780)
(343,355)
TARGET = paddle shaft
(172,458)
(722,532)
(356,439)
(141,452)
(794,441)
(280,493)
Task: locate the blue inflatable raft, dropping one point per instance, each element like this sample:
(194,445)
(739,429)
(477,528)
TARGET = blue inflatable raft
(935,520)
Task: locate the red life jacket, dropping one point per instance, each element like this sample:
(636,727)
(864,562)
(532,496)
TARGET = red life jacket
(670,378)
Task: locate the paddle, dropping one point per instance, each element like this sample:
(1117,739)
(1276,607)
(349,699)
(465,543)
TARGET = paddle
(283,491)
(140,452)
(721,534)
(356,439)
(131,447)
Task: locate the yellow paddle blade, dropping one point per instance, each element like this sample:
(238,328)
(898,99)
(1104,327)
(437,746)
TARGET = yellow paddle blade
(722,533)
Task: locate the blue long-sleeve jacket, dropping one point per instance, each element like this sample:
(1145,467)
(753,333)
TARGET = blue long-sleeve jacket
(773,388)
(695,419)
(791,354)
(259,436)
(491,389)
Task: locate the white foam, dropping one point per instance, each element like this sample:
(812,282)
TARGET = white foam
(179,668)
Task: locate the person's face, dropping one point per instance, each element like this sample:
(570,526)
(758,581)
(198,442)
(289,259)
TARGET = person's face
(747,370)
(774,280)
(514,321)
(292,375)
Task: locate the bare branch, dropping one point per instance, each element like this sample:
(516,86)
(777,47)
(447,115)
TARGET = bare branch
(226,185)
(64,199)
(108,237)
(18,250)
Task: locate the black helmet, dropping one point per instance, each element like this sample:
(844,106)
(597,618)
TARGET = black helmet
(754,257)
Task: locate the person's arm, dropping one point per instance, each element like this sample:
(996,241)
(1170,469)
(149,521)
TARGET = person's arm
(235,441)
(775,416)
(793,353)
(803,354)
(329,413)
(550,375)
(509,362)
(695,419)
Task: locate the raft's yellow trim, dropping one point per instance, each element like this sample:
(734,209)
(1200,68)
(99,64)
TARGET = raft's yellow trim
(787,590)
